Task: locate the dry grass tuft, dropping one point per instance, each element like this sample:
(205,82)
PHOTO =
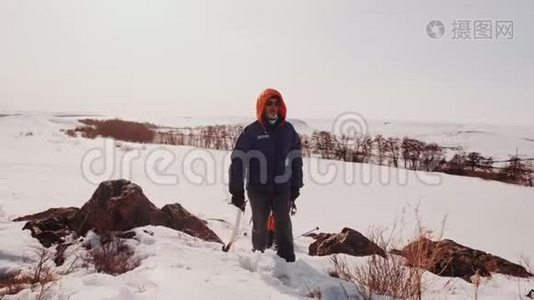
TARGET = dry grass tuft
(314,293)
(39,275)
(391,276)
(114,257)
(379,276)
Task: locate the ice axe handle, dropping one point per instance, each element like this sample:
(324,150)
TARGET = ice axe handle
(226,247)
(310,231)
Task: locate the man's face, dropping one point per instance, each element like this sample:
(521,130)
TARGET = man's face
(272,108)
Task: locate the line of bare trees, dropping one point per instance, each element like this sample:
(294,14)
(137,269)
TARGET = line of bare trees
(415,154)
(395,152)
(219,137)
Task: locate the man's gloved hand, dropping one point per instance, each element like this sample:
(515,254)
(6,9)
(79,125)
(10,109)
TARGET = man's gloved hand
(238,200)
(294,195)
(293,208)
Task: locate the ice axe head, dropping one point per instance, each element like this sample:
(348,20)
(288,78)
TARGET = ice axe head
(225,248)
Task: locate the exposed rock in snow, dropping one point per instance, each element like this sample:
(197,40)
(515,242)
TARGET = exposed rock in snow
(50,226)
(177,217)
(116,205)
(349,241)
(448,258)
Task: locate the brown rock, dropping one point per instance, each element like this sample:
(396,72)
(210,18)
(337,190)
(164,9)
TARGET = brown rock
(448,258)
(50,226)
(176,217)
(115,206)
(349,241)
(63,213)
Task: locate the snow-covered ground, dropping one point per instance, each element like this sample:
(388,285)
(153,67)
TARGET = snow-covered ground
(40,168)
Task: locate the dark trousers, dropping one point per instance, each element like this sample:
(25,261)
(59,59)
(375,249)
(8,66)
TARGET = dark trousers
(262,203)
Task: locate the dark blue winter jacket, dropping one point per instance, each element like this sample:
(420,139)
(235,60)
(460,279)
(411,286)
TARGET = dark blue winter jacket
(266,159)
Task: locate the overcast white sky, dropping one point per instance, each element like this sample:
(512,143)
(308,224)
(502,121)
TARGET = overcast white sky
(214,57)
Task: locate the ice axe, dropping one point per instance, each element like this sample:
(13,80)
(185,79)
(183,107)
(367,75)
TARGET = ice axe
(307,232)
(226,247)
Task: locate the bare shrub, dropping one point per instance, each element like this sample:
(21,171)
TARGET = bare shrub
(400,277)
(483,174)
(71,133)
(392,147)
(169,138)
(114,257)
(42,266)
(118,129)
(39,275)
(432,158)
(314,293)
(324,143)
(12,283)
(412,150)
(380,142)
(379,276)
(42,271)
(516,171)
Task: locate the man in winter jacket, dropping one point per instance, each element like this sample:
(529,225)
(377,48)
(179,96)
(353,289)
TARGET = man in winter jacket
(268,155)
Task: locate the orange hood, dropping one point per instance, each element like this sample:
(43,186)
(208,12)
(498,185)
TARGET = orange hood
(262,101)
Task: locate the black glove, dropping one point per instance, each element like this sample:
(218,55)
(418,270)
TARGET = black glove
(293,208)
(295,193)
(238,200)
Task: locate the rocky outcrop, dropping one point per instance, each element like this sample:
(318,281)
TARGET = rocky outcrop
(177,217)
(116,205)
(448,258)
(50,226)
(348,241)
